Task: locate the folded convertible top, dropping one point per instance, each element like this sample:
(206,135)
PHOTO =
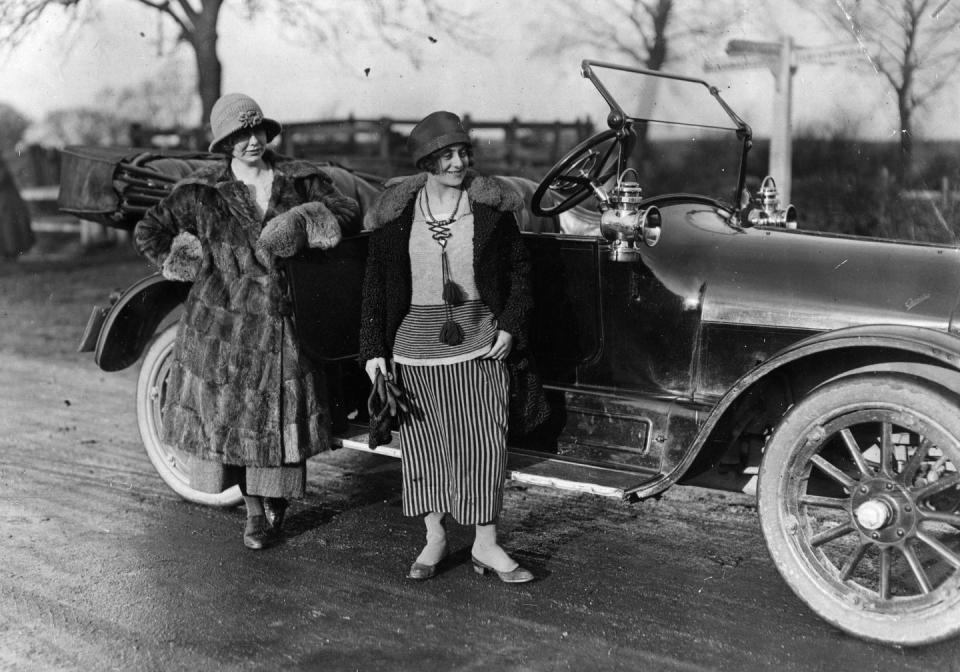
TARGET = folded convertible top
(115,186)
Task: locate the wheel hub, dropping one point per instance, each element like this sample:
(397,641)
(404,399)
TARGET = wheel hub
(883,510)
(873,514)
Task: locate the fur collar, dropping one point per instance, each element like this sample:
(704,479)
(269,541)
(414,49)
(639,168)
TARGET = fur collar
(219,172)
(400,192)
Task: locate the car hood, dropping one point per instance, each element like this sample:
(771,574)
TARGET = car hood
(801,279)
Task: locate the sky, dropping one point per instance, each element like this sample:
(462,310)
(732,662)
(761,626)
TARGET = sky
(56,69)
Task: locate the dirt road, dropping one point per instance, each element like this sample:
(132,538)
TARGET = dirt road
(104,568)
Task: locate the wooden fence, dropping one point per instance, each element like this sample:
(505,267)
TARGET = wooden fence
(379,145)
(376,146)
(945,197)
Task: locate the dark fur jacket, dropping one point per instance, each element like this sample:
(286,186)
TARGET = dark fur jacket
(239,391)
(501,269)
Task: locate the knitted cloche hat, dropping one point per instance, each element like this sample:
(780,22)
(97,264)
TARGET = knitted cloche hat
(234,111)
(436,131)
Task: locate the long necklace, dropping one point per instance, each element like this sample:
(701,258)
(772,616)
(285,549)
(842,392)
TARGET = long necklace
(451,333)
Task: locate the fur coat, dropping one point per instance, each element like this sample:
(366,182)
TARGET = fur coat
(239,391)
(501,270)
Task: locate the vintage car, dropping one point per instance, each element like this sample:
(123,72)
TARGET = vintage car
(699,334)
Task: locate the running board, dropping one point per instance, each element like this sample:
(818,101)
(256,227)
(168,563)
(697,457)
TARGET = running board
(535,468)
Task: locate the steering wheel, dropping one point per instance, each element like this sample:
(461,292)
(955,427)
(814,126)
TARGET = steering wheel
(583,170)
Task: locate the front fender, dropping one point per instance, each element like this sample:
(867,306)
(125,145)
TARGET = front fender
(929,354)
(940,345)
(134,318)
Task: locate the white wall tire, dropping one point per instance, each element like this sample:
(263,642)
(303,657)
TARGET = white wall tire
(170,462)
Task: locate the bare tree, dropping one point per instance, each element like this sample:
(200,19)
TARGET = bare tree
(645,33)
(401,25)
(648,33)
(914,45)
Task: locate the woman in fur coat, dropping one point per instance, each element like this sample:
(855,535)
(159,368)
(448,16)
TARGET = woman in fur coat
(240,397)
(446,296)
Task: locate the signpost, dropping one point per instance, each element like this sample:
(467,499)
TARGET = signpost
(782,59)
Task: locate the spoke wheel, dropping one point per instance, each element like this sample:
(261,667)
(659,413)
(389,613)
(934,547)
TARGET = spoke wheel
(171,463)
(859,501)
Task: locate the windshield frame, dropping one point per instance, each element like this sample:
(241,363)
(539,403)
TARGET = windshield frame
(618,119)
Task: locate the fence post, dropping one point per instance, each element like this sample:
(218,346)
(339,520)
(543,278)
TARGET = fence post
(386,126)
(555,145)
(945,192)
(510,142)
(286,143)
(352,141)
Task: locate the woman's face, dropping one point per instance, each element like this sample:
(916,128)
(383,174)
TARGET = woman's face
(248,144)
(452,164)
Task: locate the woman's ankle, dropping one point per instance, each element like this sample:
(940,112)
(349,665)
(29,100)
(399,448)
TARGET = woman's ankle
(432,553)
(493,555)
(254,505)
(436,534)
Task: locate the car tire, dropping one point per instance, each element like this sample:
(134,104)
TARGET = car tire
(171,463)
(859,502)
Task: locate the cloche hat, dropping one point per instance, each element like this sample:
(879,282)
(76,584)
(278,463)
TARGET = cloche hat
(234,111)
(435,131)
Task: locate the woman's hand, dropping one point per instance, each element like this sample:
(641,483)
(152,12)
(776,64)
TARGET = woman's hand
(372,365)
(501,346)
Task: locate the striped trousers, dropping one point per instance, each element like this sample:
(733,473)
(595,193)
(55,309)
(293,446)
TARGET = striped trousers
(453,442)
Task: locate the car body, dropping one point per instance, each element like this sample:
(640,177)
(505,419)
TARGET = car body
(693,337)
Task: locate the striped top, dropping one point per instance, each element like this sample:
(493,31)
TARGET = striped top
(418,338)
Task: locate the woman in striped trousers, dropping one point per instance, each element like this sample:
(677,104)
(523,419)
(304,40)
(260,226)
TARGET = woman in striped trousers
(446,297)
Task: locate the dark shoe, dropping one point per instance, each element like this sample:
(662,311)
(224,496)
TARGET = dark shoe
(518,575)
(421,572)
(274,508)
(258,534)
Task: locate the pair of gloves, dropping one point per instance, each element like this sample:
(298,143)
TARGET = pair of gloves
(307,225)
(386,397)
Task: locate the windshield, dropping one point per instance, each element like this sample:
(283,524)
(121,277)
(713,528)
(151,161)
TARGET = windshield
(689,139)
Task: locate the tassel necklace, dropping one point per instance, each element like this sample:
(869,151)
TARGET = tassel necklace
(451,333)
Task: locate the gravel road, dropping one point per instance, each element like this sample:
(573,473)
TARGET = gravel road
(104,568)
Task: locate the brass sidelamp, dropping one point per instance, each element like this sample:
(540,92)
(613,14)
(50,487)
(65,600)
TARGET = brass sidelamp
(624,222)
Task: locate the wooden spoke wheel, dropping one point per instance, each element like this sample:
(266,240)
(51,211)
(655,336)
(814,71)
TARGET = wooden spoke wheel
(859,500)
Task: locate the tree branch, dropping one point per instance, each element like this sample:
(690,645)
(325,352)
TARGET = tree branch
(165,8)
(17,17)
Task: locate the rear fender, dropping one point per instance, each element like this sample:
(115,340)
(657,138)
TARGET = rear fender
(134,318)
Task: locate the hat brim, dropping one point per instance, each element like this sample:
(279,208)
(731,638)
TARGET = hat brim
(271,126)
(439,142)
